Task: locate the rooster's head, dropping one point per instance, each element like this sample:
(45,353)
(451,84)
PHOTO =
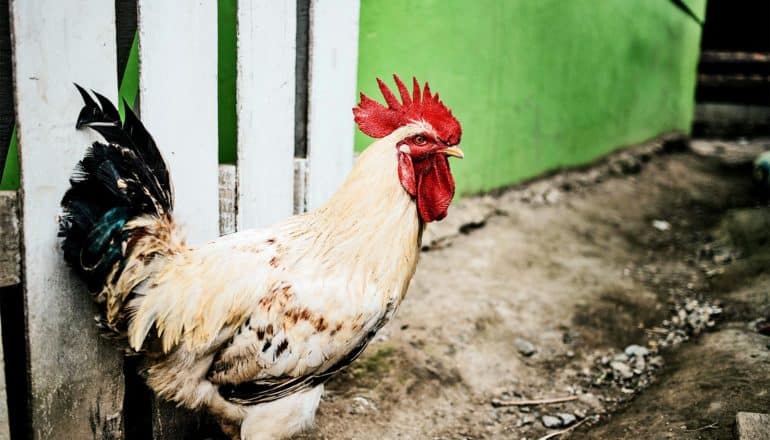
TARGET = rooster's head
(431,134)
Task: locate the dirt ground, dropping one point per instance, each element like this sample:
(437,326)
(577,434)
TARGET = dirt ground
(634,287)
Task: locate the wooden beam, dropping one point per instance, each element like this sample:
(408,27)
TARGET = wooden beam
(178,96)
(10,256)
(265,109)
(5,427)
(76,381)
(227,199)
(333,67)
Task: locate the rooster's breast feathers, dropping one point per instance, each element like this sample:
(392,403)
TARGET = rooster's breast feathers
(273,325)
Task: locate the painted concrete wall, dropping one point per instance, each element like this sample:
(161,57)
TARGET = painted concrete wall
(538,84)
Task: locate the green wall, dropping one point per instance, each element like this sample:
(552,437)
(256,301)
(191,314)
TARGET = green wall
(538,84)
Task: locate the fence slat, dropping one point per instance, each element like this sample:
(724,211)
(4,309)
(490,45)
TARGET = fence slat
(178,96)
(10,251)
(5,428)
(333,71)
(227,195)
(76,379)
(265,109)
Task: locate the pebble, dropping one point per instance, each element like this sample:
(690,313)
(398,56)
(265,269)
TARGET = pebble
(636,351)
(620,357)
(639,365)
(567,418)
(525,347)
(362,405)
(552,422)
(622,369)
(591,400)
(661,225)
(552,196)
(525,420)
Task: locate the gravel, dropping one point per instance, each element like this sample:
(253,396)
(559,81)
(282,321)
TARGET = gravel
(559,420)
(552,422)
(633,369)
(622,369)
(636,351)
(525,347)
(567,418)
(526,419)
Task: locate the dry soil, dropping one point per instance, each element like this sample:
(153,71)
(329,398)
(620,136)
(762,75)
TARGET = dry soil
(580,265)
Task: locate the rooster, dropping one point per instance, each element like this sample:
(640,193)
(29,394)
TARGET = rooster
(250,326)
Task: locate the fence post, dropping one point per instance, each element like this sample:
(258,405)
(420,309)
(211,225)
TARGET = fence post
(265,109)
(333,59)
(76,379)
(178,96)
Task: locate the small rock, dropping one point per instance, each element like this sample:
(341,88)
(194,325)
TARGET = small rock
(639,365)
(525,420)
(620,357)
(567,418)
(362,405)
(661,225)
(636,351)
(592,401)
(552,422)
(552,196)
(525,347)
(581,413)
(622,369)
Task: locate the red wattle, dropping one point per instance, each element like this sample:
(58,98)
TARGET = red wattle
(435,187)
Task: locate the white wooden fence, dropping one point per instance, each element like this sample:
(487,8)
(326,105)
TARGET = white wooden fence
(76,382)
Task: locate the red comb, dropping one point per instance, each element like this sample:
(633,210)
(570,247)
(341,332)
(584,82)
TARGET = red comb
(376,120)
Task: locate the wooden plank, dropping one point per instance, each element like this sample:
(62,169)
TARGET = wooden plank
(5,427)
(14,369)
(178,95)
(752,426)
(227,195)
(10,251)
(265,109)
(76,382)
(300,185)
(301,78)
(332,93)
(178,92)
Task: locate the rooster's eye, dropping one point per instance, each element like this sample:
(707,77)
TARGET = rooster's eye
(420,140)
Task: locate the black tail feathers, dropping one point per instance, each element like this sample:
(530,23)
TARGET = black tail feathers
(115,182)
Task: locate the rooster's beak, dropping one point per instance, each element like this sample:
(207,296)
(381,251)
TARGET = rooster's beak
(453,151)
